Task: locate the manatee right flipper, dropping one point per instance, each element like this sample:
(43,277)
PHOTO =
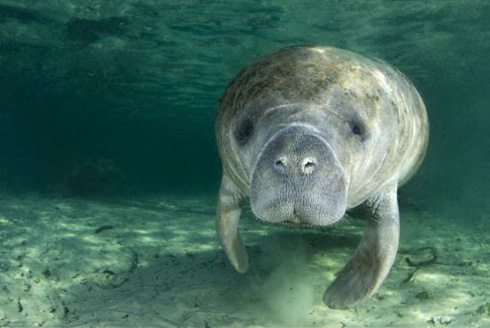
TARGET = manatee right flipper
(374,256)
(230,201)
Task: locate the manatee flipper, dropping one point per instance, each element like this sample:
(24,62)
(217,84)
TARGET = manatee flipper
(230,202)
(374,256)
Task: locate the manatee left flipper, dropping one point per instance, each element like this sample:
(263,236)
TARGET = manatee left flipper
(374,256)
(230,201)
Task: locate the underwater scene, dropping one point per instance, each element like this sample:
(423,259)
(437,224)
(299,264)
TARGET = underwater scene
(134,134)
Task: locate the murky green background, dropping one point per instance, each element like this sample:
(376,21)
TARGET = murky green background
(111,97)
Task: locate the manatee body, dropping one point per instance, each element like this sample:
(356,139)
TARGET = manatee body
(307,133)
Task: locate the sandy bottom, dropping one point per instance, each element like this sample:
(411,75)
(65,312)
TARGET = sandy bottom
(156,262)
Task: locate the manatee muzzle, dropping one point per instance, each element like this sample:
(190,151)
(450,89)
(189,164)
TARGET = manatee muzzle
(298,180)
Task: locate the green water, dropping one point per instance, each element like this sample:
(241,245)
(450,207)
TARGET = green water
(118,98)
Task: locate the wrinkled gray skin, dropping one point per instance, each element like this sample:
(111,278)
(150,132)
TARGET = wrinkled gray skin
(309,132)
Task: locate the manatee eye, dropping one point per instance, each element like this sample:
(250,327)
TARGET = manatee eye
(244,131)
(356,129)
(359,130)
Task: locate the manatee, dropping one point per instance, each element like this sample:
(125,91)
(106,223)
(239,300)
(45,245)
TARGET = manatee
(309,132)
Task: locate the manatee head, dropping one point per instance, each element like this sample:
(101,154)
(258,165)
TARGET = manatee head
(303,131)
(293,155)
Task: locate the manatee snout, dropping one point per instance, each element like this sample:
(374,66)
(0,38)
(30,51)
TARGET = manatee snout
(298,180)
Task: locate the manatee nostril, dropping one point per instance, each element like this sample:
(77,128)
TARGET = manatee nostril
(281,164)
(308,166)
